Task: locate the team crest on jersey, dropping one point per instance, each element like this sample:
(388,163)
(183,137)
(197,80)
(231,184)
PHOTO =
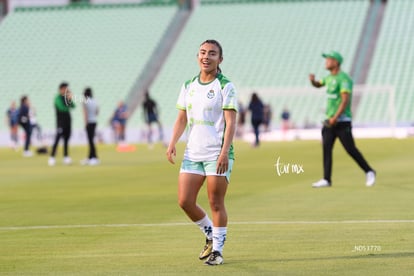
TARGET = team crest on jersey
(210,94)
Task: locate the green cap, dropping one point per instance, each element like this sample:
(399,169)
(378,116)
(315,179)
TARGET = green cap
(335,55)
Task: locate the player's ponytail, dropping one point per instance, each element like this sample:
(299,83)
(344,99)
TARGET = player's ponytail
(215,42)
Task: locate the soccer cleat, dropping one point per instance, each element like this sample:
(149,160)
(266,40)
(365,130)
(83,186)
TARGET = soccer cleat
(206,250)
(215,258)
(27,153)
(67,160)
(370,178)
(90,162)
(93,162)
(321,184)
(52,161)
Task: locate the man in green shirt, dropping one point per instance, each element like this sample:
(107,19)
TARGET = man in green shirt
(338,119)
(63,104)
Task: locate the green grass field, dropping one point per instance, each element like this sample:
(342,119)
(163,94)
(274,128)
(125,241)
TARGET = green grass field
(121,218)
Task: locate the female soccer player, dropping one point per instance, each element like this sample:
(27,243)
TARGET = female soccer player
(207,106)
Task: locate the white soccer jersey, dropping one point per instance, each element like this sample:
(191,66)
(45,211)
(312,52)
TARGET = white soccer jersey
(204,104)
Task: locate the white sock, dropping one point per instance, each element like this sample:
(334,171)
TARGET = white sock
(206,227)
(219,237)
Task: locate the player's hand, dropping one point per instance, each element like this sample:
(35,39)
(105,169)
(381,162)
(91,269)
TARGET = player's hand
(312,77)
(171,153)
(332,121)
(69,95)
(222,163)
(329,122)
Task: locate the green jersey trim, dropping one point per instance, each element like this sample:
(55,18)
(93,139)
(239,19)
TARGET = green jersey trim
(187,83)
(180,107)
(229,107)
(223,80)
(205,83)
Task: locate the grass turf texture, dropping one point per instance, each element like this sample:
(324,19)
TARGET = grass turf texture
(121,218)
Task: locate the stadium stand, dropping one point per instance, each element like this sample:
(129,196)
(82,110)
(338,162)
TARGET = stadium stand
(104,47)
(266,45)
(269,47)
(393,59)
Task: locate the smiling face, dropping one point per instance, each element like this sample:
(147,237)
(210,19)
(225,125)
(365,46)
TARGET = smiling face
(209,57)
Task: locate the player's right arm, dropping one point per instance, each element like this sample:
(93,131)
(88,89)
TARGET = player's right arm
(314,82)
(179,127)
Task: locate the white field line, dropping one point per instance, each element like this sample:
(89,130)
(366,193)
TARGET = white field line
(172,224)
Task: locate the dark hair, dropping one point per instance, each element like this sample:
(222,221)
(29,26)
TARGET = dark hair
(23,99)
(255,97)
(88,92)
(215,42)
(63,85)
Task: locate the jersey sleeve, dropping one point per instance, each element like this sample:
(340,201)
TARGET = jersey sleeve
(181,104)
(230,97)
(345,86)
(323,81)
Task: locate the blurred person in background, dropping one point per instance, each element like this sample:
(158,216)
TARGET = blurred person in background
(285,117)
(241,120)
(13,123)
(151,116)
(338,122)
(35,125)
(267,117)
(256,108)
(90,114)
(118,121)
(63,104)
(24,121)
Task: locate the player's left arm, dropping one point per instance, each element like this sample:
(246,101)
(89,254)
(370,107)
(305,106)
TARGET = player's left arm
(229,107)
(344,103)
(223,159)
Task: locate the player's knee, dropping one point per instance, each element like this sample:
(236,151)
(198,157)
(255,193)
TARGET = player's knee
(186,204)
(216,205)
